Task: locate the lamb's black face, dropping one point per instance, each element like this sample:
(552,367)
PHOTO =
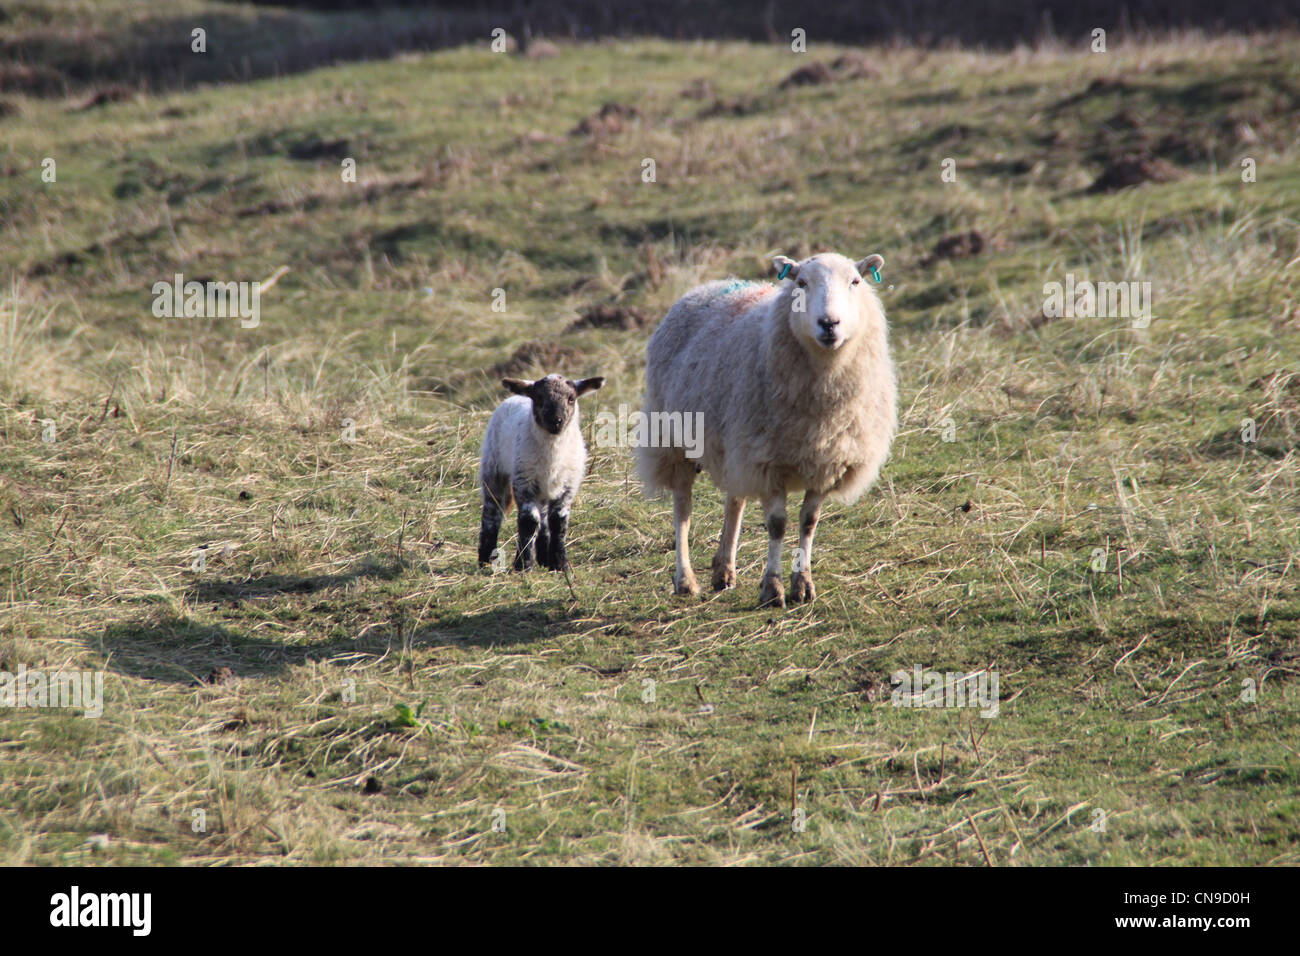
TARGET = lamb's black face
(554,398)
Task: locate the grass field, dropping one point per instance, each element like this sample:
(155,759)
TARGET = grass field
(340,684)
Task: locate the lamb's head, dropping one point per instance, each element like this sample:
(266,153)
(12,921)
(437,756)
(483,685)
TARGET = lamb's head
(554,398)
(830,301)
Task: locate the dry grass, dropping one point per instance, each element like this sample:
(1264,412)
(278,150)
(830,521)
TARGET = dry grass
(334,567)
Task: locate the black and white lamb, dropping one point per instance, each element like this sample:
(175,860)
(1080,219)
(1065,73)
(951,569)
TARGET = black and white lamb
(534,455)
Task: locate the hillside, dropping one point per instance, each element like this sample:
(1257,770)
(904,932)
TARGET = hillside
(340,563)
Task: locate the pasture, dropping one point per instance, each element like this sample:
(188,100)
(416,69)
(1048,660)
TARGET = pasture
(265,537)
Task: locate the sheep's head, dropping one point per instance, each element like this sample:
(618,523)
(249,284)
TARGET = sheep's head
(827,297)
(554,398)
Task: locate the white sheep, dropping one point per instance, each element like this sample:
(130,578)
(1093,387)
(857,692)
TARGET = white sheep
(797,389)
(534,455)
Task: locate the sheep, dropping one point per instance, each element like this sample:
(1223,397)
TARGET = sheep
(533,454)
(798,392)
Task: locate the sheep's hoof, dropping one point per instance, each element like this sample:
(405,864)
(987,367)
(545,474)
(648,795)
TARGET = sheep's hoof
(771,594)
(724,575)
(801,588)
(686,586)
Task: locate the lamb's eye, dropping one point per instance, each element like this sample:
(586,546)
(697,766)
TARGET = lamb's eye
(855,282)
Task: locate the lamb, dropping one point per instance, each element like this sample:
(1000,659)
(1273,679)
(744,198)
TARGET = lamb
(798,393)
(533,454)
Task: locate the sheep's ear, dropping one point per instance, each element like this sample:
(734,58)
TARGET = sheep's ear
(786,268)
(517,385)
(588,385)
(871,266)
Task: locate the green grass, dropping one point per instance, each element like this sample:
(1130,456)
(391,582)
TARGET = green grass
(336,567)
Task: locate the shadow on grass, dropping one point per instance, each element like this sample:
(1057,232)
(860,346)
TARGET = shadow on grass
(270,585)
(181,650)
(532,622)
(178,649)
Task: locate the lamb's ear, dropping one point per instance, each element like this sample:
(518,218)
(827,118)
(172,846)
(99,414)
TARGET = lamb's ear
(786,268)
(517,385)
(588,385)
(871,266)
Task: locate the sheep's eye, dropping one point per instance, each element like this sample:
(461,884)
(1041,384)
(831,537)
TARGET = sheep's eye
(855,282)
(802,284)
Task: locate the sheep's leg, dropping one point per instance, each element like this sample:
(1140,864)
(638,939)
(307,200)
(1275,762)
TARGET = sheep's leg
(496,499)
(530,523)
(558,519)
(683,578)
(724,562)
(801,583)
(771,593)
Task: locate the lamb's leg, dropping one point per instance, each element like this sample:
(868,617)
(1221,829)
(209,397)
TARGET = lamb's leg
(724,562)
(496,499)
(543,534)
(771,593)
(801,583)
(683,578)
(558,519)
(530,521)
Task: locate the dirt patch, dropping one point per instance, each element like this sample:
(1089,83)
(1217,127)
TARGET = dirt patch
(1125,119)
(850,66)
(1107,84)
(964,245)
(624,318)
(814,74)
(1101,86)
(870,687)
(1231,443)
(316,148)
(609,119)
(732,106)
(109,94)
(854,66)
(1134,170)
(1244,131)
(538,355)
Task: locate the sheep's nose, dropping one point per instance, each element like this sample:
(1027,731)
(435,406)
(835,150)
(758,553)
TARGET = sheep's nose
(828,323)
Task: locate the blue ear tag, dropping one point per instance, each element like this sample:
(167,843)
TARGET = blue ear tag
(875,273)
(784,269)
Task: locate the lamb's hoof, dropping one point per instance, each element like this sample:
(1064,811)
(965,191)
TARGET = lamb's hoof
(687,586)
(801,588)
(771,594)
(724,576)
